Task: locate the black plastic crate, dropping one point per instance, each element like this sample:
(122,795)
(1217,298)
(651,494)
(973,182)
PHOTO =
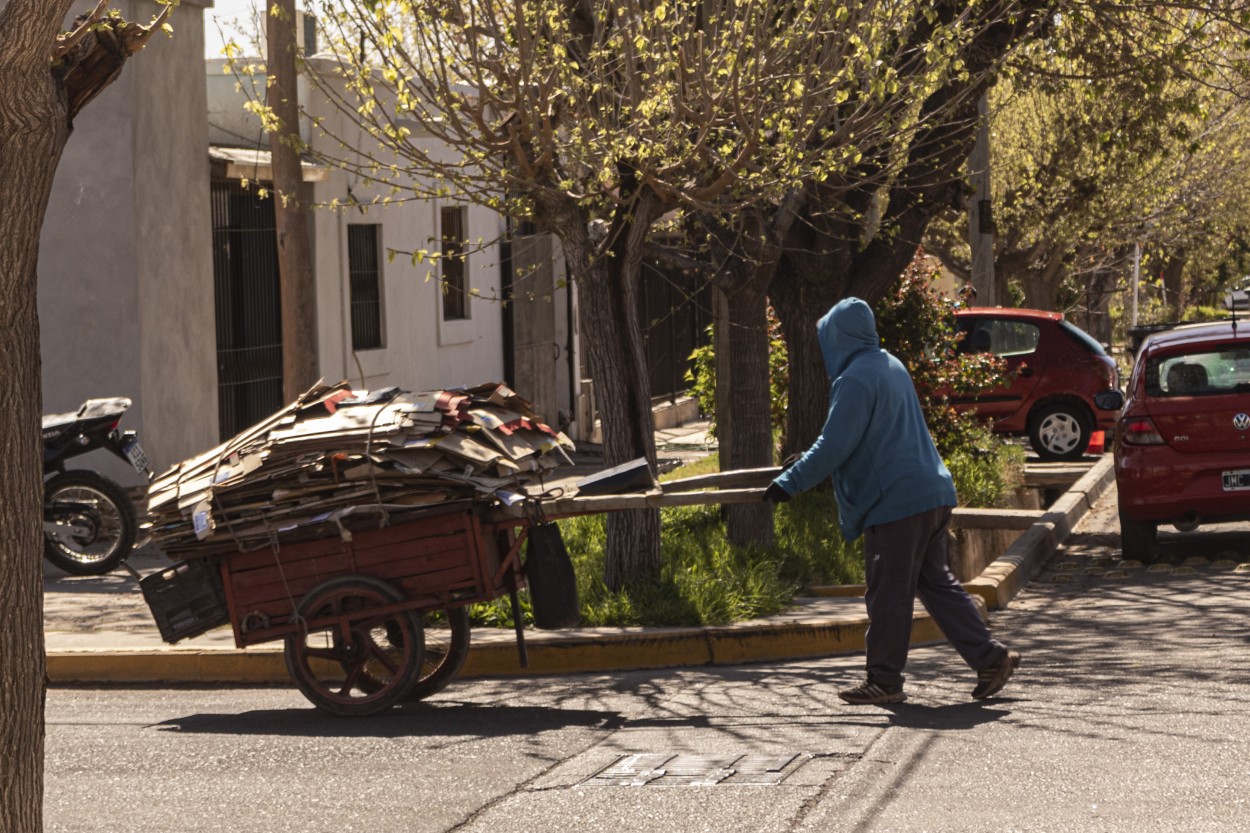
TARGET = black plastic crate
(186,599)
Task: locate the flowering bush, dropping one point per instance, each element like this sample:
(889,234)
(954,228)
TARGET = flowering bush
(916,325)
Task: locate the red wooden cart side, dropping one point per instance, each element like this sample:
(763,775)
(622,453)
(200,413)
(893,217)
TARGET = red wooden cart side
(436,563)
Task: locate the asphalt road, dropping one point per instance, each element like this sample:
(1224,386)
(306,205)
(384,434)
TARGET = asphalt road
(1127,715)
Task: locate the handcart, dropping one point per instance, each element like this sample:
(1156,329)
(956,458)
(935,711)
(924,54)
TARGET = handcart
(375,617)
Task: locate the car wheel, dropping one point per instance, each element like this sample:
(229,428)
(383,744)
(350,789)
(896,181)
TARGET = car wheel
(1059,432)
(1137,539)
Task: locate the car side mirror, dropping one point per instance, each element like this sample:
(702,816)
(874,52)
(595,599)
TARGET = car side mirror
(1109,400)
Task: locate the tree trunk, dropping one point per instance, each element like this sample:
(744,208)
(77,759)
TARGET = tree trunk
(750,443)
(37,104)
(34,126)
(1041,285)
(747,252)
(799,304)
(608,289)
(1173,286)
(296,279)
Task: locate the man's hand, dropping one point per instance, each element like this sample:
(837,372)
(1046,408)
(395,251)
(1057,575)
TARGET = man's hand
(776,494)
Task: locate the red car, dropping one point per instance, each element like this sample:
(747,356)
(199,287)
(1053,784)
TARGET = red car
(1182,448)
(1056,371)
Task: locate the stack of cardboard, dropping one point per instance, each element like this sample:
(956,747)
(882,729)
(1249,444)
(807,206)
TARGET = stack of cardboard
(337,458)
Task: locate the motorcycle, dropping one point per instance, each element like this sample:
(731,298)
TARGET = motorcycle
(89,523)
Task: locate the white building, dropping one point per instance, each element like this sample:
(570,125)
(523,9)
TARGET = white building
(158,270)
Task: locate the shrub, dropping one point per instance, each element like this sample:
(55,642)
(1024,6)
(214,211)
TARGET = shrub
(916,325)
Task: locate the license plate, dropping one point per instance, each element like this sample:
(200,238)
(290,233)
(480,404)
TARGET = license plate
(134,453)
(1237,481)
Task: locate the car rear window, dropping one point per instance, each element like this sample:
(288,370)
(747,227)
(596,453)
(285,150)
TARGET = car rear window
(1083,338)
(998,336)
(1210,372)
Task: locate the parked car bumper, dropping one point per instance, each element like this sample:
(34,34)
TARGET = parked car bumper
(1161,485)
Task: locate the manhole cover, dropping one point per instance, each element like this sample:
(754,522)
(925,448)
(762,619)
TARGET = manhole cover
(670,769)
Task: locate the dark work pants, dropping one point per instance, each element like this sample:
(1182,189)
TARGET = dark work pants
(906,558)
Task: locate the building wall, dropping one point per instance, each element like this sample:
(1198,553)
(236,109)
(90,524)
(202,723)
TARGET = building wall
(420,351)
(125,269)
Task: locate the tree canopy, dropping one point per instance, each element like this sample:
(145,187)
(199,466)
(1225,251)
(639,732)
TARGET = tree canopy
(594,120)
(1127,125)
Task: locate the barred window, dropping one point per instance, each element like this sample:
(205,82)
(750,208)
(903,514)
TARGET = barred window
(366,286)
(455,283)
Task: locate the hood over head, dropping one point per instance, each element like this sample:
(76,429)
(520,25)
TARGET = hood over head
(847,329)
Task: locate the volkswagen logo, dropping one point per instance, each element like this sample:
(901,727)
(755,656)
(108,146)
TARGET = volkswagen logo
(1241,422)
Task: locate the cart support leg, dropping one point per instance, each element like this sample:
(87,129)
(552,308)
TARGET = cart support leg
(519,623)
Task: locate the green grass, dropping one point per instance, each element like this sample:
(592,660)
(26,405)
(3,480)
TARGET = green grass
(705,581)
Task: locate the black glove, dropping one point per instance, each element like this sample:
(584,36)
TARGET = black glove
(776,494)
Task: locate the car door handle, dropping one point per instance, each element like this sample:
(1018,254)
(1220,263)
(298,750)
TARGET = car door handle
(1026,371)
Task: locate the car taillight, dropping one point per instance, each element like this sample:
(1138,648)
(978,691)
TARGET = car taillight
(1141,432)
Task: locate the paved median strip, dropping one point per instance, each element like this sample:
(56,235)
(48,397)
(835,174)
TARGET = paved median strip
(831,623)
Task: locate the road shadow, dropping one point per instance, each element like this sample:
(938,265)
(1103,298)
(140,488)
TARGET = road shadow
(426,719)
(950,717)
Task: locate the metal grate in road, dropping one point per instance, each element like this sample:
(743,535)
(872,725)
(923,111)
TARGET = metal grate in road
(668,769)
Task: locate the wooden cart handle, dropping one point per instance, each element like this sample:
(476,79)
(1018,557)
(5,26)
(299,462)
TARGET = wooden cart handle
(656,499)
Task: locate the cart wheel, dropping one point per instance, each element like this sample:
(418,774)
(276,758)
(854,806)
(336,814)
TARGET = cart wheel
(446,646)
(349,661)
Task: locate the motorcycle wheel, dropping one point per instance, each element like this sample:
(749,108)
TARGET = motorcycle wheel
(108,514)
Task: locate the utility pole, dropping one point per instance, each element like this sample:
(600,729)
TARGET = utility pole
(980,217)
(296,280)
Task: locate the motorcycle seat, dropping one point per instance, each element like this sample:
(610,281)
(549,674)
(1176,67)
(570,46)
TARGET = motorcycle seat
(91,409)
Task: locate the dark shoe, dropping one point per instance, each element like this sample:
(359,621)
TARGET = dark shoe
(872,694)
(991,680)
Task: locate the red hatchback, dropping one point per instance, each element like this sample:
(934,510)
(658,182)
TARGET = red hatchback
(1056,371)
(1182,450)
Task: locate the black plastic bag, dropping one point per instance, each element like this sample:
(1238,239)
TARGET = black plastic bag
(553,585)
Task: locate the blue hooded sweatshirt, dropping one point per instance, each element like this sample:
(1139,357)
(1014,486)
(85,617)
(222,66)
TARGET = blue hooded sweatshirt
(875,444)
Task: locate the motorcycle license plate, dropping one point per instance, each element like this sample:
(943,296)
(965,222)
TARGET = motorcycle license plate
(1237,481)
(138,459)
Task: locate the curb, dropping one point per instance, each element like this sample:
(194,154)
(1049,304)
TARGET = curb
(1003,579)
(549,653)
(616,649)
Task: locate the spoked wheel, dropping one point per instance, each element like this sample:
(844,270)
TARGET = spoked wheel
(350,660)
(446,635)
(446,646)
(93,523)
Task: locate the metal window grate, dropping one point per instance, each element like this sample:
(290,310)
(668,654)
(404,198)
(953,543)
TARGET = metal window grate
(366,286)
(455,285)
(675,309)
(248,307)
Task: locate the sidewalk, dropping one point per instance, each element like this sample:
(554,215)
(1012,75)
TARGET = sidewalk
(98,629)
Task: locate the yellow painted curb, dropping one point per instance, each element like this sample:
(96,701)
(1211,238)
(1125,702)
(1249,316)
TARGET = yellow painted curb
(681,648)
(227,666)
(572,656)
